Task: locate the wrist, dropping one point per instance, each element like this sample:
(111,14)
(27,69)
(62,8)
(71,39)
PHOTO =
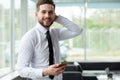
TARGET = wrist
(61,20)
(45,73)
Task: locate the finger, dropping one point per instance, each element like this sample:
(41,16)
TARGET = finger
(59,72)
(54,65)
(63,67)
(60,69)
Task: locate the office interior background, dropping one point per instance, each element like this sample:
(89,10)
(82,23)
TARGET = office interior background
(99,42)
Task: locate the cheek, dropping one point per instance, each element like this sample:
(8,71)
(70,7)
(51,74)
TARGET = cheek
(39,17)
(38,14)
(53,17)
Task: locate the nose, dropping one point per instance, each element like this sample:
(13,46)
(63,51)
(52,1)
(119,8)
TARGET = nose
(47,14)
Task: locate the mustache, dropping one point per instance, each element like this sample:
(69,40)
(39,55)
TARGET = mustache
(48,18)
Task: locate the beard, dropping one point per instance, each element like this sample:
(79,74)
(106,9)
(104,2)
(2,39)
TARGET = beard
(47,22)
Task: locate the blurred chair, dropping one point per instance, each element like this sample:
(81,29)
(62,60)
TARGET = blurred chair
(72,75)
(72,72)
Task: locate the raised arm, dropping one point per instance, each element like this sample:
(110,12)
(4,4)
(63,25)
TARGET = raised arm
(71,29)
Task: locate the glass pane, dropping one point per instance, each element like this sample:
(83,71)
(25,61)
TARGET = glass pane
(31,14)
(103,34)
(5,37)
(72,49)
(17,27)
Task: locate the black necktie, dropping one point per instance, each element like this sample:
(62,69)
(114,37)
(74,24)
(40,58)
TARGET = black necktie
(51,53)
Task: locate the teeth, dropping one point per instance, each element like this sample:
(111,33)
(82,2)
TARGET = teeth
(47,20)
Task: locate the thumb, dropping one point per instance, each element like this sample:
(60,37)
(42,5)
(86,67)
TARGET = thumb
(54,65)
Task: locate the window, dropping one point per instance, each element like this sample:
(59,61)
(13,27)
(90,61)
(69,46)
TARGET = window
(5,37)
(17,29)
(102,34)
(10,33)
(100,38)
(72,49)
(31,14)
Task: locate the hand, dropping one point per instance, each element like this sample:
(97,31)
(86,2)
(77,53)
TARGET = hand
(62,64)
(54,70)
(55,17)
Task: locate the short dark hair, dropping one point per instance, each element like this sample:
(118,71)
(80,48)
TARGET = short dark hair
(40,2)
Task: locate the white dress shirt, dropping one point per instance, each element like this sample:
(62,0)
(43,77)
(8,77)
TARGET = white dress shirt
(33,54)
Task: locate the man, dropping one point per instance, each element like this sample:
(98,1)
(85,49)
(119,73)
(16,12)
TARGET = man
(33,58)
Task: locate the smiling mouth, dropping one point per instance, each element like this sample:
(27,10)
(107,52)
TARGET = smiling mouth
(47,20)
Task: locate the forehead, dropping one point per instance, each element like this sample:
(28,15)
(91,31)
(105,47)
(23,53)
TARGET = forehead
(46,7)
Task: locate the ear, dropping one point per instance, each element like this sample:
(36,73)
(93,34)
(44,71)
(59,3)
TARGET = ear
(36,14)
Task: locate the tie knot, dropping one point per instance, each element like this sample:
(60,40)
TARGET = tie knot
(47,32)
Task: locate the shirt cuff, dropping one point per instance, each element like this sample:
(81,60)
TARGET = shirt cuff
(38,73)
(61,20)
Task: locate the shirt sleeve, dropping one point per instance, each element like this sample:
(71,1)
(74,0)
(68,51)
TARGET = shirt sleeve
(71,29)
(25,55)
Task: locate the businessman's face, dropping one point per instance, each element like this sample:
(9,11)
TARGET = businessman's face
(46,15)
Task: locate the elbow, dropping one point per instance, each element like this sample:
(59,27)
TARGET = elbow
(79,31)
(19,70)
(20,73)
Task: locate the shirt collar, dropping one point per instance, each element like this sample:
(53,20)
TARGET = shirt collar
(41,28)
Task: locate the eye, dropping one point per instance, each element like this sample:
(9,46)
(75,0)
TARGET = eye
(51,12)
(43,12)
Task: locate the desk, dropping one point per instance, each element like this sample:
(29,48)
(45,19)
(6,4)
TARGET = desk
(104,77)
(101,75)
